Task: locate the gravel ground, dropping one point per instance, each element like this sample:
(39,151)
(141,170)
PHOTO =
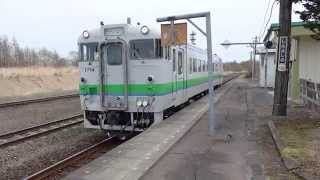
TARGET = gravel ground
(31,156)
(18,117)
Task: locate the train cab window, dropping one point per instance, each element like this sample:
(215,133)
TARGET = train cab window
(145,49)
(114,53)
(174,60)
(89,52)
(180,63)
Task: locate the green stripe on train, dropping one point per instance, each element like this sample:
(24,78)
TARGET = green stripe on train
(155,89)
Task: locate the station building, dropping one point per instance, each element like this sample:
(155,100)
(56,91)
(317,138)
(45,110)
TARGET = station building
(304,83)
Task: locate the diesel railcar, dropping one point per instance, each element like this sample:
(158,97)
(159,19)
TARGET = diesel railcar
(127,79)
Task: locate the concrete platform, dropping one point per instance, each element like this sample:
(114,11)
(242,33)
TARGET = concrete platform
(199,156)
(131,160)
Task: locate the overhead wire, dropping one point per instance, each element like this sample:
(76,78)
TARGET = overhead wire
(265,16)
(269,18)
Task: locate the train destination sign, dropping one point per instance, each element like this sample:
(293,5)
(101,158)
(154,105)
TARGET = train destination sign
(283,47)
(180,30)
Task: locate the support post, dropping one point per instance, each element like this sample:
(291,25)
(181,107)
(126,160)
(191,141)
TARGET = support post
(211,115)
(254,58)
(282,71)
(211,118)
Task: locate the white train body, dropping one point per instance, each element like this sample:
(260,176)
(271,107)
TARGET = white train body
(127,80)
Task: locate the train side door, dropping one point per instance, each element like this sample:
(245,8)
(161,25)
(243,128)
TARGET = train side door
(114,76)
(174,74)
(181,83)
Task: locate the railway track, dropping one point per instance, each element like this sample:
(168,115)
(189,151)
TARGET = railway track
(37,100)
(57,170)
(21,135)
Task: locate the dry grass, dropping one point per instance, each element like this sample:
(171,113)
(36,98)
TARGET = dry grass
(37,71)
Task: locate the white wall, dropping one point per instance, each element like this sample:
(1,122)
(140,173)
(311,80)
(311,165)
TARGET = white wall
(267,66)
(309,59)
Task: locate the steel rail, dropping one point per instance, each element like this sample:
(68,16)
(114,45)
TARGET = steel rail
(43,174)
(35,131)
(36,100)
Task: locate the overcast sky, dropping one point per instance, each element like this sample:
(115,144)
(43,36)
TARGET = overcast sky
(56,24)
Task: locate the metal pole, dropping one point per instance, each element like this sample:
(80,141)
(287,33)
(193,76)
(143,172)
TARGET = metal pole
(254,58)
(251,65)
(211,118)
(211,115)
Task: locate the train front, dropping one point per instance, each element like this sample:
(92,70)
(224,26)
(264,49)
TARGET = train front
(104,81)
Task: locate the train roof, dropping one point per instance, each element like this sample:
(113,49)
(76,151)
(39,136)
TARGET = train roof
(131,32)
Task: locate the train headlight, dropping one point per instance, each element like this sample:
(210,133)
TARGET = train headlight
(85,34)
(139,103)
(144,30)
(145,103)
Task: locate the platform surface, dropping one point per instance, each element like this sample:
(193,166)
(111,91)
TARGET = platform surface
(198,156)
(132,159)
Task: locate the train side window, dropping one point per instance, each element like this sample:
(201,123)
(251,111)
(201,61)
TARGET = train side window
(180,63)
(114,53)
(190,65)
(174,60)
(199,65)
(203,66)
(158,48)
(165,52)
(194,65)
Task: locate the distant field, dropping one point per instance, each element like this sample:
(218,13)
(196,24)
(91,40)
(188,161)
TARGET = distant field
(34,80)
(36,71)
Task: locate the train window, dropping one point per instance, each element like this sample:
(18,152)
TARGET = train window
(174,60)
(180,63)
(199,66)
(165,52)
(145,49)
(190,66)
(158,48)
(114,53)
(204,66)
(89,52)
(194,65)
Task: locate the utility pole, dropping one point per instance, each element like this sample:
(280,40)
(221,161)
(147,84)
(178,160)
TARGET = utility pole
(283,56)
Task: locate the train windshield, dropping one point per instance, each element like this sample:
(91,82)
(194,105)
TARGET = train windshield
(89,52)
(145,49)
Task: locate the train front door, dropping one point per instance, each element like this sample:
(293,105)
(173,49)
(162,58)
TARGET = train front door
(114,76)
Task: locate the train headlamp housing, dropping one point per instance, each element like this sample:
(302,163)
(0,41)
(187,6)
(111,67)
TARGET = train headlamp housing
(144,30)
(85,34)
(139,103)
(145,103)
